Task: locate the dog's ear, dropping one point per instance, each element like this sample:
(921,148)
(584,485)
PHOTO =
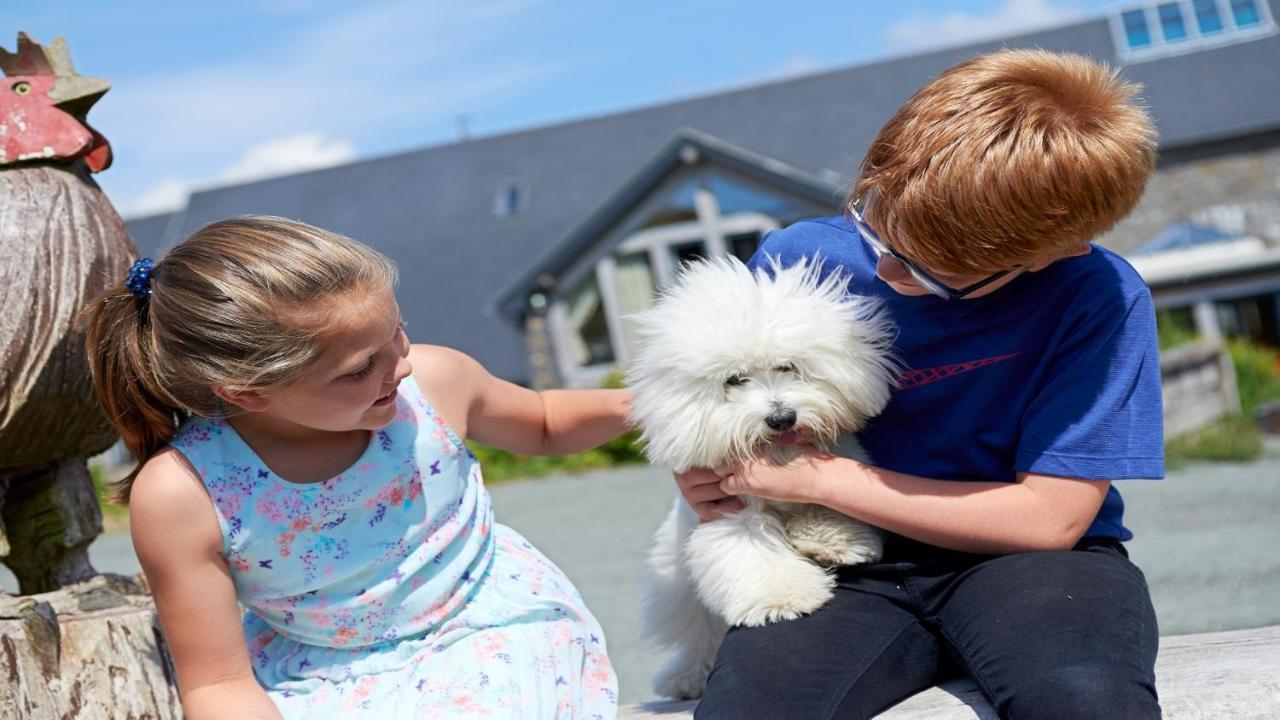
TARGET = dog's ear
(868,371)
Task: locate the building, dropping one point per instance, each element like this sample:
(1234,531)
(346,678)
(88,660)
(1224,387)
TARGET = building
(528,249)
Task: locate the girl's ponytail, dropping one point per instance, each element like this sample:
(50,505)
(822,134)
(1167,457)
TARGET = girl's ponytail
(122,361)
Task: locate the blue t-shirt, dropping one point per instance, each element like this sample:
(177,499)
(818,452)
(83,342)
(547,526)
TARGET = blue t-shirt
(1056,373)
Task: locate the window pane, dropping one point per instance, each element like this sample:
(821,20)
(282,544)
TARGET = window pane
(1245,12)
(1171,22)
(735,197)
(1135,29)
(1207,17)
(587,326)
(634,288)
(678,207)
(688,252)
(743,246)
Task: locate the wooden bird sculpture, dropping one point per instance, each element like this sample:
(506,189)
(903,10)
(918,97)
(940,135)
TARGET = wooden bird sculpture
(61,244)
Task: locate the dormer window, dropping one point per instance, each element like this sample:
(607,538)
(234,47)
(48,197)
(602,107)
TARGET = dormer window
(1208,19)
(1177,26)
(1171,25)
(511,198)
(1137,34)
(1245,13)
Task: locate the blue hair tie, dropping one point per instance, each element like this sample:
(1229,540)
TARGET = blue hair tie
(139,281)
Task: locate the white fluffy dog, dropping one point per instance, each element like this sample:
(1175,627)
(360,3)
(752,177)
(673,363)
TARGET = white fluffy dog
(733,366)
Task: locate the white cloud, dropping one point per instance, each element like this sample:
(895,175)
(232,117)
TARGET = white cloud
(293,153)
(369,68)
(289,154)
(792,67)
(167,196)
(920,30)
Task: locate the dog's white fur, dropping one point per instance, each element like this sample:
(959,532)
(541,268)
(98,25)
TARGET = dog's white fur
(720,352)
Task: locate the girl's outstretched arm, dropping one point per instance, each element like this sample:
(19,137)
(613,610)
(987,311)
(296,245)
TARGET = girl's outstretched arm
(179,544)
(507,416)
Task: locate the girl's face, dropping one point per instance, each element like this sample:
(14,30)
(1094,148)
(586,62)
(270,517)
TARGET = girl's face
(352,386)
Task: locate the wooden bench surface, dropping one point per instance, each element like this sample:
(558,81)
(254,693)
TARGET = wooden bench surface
(1234,674)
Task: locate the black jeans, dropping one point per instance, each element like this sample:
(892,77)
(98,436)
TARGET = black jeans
(1060,635)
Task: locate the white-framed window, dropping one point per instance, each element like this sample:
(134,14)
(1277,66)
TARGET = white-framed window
(1160,29)
(511,197)
(709,215)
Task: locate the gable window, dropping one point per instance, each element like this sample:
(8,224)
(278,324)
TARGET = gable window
(1172,27)
(699,212)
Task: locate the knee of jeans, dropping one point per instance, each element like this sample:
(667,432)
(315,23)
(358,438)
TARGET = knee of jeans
(741,690)
(1083,691)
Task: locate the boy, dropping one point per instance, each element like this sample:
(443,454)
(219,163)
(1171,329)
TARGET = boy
(1032,383)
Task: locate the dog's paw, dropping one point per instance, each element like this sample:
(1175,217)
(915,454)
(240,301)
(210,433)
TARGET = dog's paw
(836,555)
(682,680)
(785,596)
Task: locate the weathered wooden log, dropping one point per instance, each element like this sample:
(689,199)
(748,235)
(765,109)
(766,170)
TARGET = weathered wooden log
(90,651)
(1206,676)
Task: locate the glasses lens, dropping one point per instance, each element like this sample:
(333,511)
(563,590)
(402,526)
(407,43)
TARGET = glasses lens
(881,250)
(928,283)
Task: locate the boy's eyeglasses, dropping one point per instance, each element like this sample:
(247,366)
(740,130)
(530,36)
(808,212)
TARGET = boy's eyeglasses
(927,281)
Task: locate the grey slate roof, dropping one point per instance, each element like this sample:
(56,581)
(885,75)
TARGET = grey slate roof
(432,209)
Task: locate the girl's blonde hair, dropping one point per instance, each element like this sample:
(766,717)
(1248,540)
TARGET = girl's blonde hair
(1012,157)
(241,304)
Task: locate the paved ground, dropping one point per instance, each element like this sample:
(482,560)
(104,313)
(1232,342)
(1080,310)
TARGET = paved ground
(1206,537)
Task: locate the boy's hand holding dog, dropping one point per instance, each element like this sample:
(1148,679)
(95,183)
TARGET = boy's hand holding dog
(713,492)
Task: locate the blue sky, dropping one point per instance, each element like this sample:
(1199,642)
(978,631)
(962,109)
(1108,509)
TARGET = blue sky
(216,92)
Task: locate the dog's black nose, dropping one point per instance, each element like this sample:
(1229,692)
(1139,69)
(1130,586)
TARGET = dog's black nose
(781,419)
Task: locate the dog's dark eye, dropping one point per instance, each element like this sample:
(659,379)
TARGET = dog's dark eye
(736,380)
(786,368)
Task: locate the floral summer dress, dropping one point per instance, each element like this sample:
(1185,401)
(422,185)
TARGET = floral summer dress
(388,591)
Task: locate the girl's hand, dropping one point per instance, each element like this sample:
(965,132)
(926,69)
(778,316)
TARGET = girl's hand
(803,480)
(702,490)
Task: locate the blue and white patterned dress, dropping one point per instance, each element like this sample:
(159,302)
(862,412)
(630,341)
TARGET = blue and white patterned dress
(389,592)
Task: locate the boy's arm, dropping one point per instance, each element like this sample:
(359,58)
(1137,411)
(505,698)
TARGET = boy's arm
(513,418)
(178,542)
(1038,512)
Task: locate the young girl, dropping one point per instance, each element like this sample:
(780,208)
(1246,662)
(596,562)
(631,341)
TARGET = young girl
(299,457)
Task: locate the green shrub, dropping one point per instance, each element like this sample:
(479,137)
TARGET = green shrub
(1174,328)
(500,465)
(1257,374)
(113,514)
(1233,439)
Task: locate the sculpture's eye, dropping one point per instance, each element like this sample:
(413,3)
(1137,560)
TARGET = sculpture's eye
(22,88)
(736,380)
(786,368)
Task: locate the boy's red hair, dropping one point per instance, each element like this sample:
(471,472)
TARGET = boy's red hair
(1011,157)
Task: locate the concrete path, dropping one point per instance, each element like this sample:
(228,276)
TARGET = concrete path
(1207,538)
